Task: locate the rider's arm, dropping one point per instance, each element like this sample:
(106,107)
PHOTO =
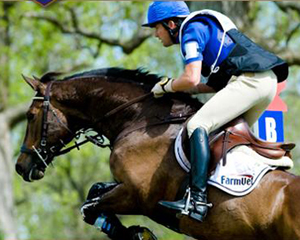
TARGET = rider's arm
(201,88)
(189,81)
(189,78)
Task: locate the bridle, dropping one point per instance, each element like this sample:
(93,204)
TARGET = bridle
(46,153)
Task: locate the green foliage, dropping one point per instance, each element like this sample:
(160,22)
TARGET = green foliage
(49,209)
(291,119)
(1,235)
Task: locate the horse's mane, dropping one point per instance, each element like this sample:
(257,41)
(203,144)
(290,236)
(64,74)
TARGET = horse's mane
(138,76)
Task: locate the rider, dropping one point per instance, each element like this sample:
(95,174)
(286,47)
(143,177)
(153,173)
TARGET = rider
(243,75)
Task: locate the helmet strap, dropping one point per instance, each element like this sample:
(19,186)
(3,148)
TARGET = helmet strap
(172,32)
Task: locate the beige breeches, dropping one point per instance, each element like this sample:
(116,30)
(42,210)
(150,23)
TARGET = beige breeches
(248,95)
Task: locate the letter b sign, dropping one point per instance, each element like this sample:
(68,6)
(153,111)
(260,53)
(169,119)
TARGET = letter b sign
(270,126)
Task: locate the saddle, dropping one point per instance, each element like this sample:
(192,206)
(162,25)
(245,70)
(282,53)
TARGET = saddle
(236,133)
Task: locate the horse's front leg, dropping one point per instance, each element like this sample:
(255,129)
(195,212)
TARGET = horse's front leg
(94,196)
(112,198)
(95,213)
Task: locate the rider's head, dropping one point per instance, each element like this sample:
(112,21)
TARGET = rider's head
(167,15)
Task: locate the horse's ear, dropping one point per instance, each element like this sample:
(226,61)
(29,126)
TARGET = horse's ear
(36,78)
(33,83)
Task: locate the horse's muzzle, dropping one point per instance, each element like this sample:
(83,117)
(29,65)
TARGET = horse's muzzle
(31,172)
(35,174)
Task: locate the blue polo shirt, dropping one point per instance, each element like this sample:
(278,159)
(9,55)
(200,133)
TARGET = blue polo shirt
(201,40)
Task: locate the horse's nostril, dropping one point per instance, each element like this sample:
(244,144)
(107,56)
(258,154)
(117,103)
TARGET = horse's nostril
(19,169)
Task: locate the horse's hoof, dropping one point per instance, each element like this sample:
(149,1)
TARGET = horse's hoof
(141,233)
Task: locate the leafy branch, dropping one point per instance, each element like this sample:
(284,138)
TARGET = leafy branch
(127,46)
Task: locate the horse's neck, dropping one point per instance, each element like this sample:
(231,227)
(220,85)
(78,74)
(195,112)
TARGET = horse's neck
(86,102)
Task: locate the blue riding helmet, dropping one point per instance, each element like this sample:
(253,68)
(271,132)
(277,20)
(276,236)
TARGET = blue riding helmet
(159,11)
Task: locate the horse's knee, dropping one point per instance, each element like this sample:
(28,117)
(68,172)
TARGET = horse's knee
(112,198)
(88,209)
(98,189)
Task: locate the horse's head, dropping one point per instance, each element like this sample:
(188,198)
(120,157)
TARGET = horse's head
(47,132)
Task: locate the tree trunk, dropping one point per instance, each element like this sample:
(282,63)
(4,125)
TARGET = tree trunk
(8,120)
(7,223)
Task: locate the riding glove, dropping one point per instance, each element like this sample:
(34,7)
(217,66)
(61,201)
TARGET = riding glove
(162,87)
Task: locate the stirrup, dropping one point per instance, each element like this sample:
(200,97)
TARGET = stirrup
(187,195)
(187,210)
(209,205)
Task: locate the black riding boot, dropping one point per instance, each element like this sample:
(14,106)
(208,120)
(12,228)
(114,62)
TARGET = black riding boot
(196,206)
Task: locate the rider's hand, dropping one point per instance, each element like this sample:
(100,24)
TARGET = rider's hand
(162,87)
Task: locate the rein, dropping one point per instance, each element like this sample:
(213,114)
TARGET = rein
(98,139)
(125,105)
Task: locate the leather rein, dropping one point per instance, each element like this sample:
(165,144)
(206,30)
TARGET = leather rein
(46,153)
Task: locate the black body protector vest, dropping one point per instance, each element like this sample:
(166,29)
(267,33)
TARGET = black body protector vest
(246,56)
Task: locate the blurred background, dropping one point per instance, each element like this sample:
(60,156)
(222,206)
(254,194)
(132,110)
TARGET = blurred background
(77,36)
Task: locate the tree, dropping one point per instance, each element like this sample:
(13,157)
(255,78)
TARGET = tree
(10,116)
(76,36)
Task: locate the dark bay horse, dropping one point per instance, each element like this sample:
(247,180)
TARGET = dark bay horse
(142,160)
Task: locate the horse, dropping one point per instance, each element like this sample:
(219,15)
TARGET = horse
(116,103)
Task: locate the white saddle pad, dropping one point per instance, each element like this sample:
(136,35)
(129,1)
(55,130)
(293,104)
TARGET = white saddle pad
(243,170)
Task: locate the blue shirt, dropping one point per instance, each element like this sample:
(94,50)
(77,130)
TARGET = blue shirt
(201,40)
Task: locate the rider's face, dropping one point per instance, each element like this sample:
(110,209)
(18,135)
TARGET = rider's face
(162,34)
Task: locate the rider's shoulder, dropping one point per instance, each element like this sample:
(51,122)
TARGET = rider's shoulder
(195,30)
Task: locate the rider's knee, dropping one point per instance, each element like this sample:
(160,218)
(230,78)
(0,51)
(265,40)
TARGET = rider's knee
(193,124)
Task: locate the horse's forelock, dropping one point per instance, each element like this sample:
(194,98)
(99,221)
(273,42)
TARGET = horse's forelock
(50,76)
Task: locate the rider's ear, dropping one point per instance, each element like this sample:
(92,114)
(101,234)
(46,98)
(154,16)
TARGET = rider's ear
(172,24)
(34,83)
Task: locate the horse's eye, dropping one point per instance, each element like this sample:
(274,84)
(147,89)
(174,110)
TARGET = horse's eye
(30,116)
